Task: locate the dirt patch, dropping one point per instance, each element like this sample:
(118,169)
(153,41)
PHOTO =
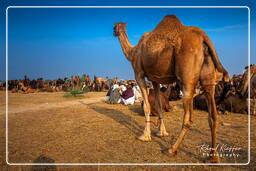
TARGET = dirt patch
(19,102)
(84,131)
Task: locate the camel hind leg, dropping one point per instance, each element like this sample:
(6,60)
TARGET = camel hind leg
(212,119)
(189,80)
(188,90)
(208,81)
(188,64)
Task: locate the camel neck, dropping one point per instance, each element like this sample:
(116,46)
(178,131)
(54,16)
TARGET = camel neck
(126,45)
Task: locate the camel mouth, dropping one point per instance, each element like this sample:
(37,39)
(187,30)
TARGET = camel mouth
(115,34)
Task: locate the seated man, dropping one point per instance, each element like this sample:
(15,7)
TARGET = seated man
(137,93)
(128,96)
(112,88)
(114,97)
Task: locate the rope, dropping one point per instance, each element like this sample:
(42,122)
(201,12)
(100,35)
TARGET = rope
(155,123)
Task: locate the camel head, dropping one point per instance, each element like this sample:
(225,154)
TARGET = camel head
(119,28)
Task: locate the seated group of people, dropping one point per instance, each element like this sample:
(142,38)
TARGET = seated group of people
(125,94)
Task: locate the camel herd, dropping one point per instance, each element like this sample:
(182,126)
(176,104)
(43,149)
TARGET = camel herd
(232,96)
(229,96)
(39,85)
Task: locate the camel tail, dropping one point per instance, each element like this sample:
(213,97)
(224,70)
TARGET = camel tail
(216,59)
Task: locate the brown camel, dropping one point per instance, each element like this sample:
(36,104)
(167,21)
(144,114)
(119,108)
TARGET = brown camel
(173,52)
(164,96)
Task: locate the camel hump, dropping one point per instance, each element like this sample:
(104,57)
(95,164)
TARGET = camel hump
(170,23)
(171,16)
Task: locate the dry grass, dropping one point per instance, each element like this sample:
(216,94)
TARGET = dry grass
(98,132)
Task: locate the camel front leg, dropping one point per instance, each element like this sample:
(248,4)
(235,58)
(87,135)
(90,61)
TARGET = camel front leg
(146,107)
(162,131)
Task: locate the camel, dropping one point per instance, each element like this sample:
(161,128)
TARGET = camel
(87,80)
(26,89)
(98,82)
(164,96)
(171,52)
(75,80)
(247,79)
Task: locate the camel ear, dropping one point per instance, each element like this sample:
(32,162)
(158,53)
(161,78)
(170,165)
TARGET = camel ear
(115,23)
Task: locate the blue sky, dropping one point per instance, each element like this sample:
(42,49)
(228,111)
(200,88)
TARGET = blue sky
(53,43)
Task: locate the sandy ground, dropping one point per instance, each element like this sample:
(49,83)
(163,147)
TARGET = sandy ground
(48,128)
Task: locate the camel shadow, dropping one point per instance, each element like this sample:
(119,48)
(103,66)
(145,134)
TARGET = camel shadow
(125,120)
(117,116)
(43,159)
(134,126)
(135,109)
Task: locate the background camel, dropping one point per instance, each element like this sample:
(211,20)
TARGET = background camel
(173,52)
(164,95)
(233,96)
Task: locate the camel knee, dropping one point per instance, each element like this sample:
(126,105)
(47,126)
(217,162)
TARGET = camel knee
(187,95)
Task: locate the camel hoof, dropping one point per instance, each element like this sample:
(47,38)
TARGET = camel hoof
(162,134)
(214,159)
(145,138)
(170,152)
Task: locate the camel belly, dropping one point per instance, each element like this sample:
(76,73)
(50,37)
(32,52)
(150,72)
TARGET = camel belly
(163,79)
